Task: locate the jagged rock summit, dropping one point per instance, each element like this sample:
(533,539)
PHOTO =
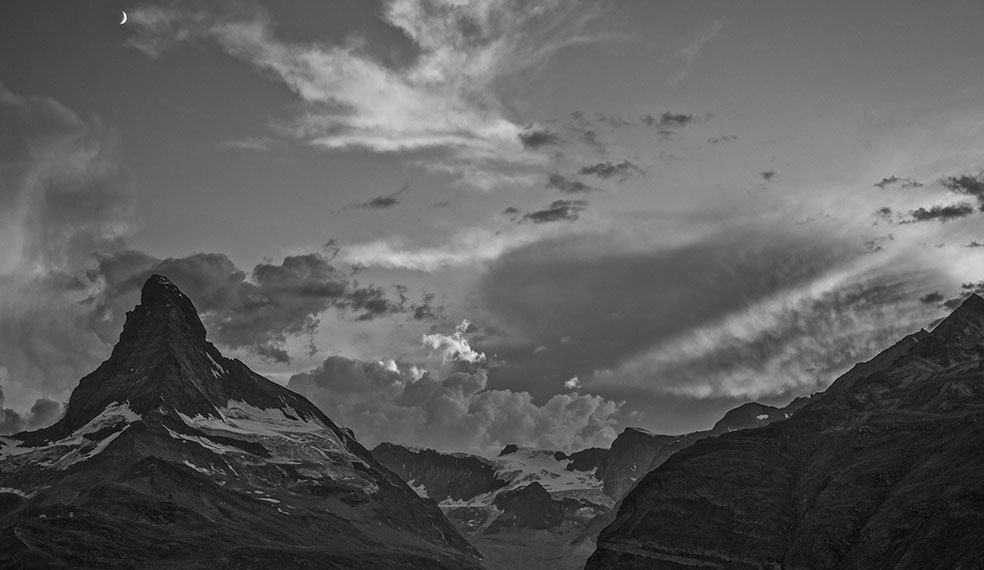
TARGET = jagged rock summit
(883,470)
(171,455)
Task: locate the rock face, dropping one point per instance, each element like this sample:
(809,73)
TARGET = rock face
(883,470)
(171,456)
(636,451)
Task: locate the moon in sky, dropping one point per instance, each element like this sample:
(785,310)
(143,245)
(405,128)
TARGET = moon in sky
(123,21)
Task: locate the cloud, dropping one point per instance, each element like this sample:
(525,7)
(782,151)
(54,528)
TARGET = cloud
(690,51)
(619,170)
(60,201)
(67,276)
(768,175)
(904,183)
(621,295)
(788,345)
(967,185)
(557,211)
(446,99)
(43,413)
(932,298)
(259,313)
(568,185)
(467,248)
(722,139)
(669,123)
(574,383)
(385,201)
(451,407)
(974,244)
(453,347)
(536,139)
(942,213)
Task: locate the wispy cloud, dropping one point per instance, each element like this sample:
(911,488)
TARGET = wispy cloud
(689,52)
(446,99)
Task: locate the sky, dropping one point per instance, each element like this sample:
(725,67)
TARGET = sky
(460,224)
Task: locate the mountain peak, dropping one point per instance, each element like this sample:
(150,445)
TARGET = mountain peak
(973,303)
(159,289)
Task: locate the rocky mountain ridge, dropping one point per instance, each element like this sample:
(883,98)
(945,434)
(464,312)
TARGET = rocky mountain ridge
(882,470)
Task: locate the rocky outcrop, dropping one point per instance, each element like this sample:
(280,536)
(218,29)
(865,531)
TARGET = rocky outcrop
(882,470)
(441,476)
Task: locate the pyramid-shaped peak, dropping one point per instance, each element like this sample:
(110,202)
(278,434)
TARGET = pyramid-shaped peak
(973,303)
(159,290)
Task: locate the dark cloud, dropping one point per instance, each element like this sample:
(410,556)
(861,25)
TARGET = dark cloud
(974,244)
(510,211)
(385,201)
(43,413)
(568,185)
(620,170)
(669,123)
(426,310)
(932,298)
(722,139)
(279,301)
(768,175)
(885,213)
(557,211)
(538,138)
(968,185)
(896,181)
(942,213)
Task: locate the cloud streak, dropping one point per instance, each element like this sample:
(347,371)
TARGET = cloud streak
(445,100)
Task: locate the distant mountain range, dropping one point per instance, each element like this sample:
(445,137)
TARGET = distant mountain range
(571,496)
(172,456)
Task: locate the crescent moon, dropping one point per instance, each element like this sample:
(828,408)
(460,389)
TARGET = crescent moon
(123,21)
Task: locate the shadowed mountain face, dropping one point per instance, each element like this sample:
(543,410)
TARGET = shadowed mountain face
(172,456)
(883,470)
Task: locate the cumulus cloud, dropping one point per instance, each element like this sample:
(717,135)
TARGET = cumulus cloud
(609,169)
(768,175)
(451,408)
(574,383)
(446,99)
(454,347)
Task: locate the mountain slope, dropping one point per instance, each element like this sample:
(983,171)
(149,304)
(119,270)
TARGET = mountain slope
(171,456)
(883,470)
